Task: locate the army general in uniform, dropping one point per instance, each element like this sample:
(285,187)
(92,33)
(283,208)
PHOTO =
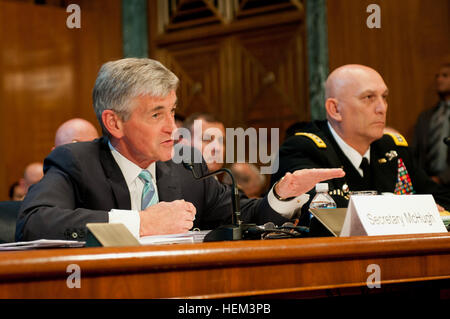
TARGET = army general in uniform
(353,138)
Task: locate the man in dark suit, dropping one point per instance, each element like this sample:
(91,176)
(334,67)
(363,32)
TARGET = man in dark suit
(352,138)
(128,176)
(433,125)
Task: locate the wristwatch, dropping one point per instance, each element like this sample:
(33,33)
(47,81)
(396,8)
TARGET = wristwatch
(278,196)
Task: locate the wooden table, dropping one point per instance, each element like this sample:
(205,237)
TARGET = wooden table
(274,268)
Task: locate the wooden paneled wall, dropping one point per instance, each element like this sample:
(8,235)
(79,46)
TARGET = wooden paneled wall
(245,65)
(47,72)
(407,50)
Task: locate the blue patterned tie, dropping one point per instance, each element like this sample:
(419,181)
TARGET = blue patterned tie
(149,196)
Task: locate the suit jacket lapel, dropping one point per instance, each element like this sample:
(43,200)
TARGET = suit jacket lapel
(168,185)
(114,176)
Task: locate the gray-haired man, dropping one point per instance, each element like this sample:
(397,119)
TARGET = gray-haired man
(127,175)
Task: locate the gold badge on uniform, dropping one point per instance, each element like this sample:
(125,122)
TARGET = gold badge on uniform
(389,157)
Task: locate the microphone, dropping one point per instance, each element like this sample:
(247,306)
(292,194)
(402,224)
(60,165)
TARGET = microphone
(447,140)
(237,230)
(292,227)
(271,231)
(226,232)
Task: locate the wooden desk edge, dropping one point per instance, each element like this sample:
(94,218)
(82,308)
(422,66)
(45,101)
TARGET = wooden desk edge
(50,262)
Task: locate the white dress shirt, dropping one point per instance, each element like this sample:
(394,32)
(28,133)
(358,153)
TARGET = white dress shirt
(135,186)
(354,157)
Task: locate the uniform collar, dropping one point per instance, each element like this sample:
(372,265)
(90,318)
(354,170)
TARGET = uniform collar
(353,155)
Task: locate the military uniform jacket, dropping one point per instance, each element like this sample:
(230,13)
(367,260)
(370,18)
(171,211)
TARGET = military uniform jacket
(320,150)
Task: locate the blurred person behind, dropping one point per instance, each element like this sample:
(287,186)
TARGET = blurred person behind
(75,130)
(432,126)
(16,192)
(210,140)
(248,178)
(32,174)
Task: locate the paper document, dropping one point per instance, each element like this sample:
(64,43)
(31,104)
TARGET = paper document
(189,237)
(41,243)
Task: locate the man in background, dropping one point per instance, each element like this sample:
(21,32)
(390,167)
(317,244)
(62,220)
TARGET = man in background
(248,178)
(75,130)
(32,174)
(433,125)
(71,131)
(16,192)
(207,135)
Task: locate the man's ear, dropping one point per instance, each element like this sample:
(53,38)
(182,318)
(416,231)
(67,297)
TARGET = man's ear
(333,109)
(113,123)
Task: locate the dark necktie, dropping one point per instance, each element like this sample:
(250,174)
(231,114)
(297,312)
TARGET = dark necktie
(365,166)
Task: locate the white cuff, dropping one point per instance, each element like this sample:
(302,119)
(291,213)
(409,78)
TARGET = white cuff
(286,208)
(130,218)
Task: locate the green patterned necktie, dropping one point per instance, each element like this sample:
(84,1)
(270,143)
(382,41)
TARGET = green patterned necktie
(149,196)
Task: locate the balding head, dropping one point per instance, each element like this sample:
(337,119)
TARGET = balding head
(33,173)
(75,130)
(356,104)
(348,77)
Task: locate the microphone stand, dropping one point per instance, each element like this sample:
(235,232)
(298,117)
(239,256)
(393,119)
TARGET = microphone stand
(225,232)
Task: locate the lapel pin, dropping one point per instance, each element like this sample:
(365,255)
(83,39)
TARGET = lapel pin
(382,160)
(391,155)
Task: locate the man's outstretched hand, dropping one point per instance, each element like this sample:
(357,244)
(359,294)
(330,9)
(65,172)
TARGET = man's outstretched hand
(302,181)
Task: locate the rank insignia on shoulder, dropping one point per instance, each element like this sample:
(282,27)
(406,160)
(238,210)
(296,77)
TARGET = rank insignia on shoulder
(399,140)
(317,140)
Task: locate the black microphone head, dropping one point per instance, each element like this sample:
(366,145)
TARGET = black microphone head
(188,166)
(447,140)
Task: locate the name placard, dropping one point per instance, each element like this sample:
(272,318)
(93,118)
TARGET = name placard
(392,215)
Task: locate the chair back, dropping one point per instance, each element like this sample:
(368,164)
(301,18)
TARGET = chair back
(8,216)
